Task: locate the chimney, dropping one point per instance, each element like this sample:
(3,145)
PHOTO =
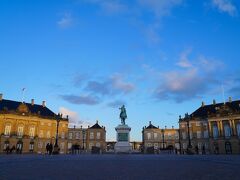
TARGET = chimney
(172,127)
(214,102)
(203,104)
(32,102)
(165,127)
(97,122)
(1,97)
(44,103)
(74,127)
(150,122)
(230,99)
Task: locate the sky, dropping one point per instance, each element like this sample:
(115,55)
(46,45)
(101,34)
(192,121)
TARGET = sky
(86,58)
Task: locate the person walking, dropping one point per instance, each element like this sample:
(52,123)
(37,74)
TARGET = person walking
(47,148)
(50,149)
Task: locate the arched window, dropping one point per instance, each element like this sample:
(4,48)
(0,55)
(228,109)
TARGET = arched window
(215,131)
(227,131)
(32,131)
(238,129)
(7,130)
(20,131)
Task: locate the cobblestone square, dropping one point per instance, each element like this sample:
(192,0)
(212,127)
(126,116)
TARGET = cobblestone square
(119,167)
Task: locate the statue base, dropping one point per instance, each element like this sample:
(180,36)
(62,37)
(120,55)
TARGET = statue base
(123,139)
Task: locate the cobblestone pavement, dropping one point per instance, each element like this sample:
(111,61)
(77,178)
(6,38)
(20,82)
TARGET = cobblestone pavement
(119,167)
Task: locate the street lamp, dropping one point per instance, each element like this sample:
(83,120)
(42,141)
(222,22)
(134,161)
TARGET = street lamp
(83,139)
(163,139)
(56,148)
(187,117)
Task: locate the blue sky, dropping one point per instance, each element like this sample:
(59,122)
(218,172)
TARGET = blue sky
(161,58)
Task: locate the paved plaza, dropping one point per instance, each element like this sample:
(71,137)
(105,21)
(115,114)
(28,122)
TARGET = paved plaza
(119,167)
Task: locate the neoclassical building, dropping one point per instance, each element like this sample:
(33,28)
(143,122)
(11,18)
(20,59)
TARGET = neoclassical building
(30,127)
(160,138)
(87,138)
(213,128)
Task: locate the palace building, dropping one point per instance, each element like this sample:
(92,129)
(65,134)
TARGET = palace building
(87,139)
(28,127)
(160,139)
(212,129)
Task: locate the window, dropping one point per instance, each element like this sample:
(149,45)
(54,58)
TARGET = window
(184,146)
(42,123)
(63,125)
(148,136)
(63,135)
(98,145)
(199,134)
(31,146)
(183,125)
(199,145)
(169,135)
(238,129)
(32,131)
(20,131)
(48,134)
(156,145)
(206,134)
(198,124)
(191,135)
(155,135)
(77,135)
(90,145)
(69,145)
(62,146)
(98,135)
(149,145)
(227,131)
(40,145)
(215,131)
(7,130)
(176,136)
(41,134)
(184,135)
(91,135)
(49,124)
(70,135)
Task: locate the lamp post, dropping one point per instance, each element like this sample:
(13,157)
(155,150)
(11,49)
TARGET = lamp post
(83,138)
(189,138)
(56,148)
(163,143)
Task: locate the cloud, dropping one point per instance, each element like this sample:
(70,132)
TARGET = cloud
(109,6)
(101,88)
(189,81)
(66,21)
(113,85)
(74,118)
(225,6)
(160,7)
(119,84)
(116,104)
(184,61)
(83,99)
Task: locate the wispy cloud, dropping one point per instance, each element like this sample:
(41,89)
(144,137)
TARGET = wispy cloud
(74,118)
(81,99)
(66,21)
(116,103)
(192,79)
(225,6)
(160,7)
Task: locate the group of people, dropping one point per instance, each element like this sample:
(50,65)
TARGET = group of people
(49,148)
(13,149)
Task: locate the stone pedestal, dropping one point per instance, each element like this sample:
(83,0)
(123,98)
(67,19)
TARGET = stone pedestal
(123,139)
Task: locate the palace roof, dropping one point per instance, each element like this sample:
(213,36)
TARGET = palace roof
(219,108)
(96,126)
(9,106)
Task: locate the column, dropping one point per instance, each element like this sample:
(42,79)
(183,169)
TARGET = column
(234,133)
(221,128)
(210,129)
